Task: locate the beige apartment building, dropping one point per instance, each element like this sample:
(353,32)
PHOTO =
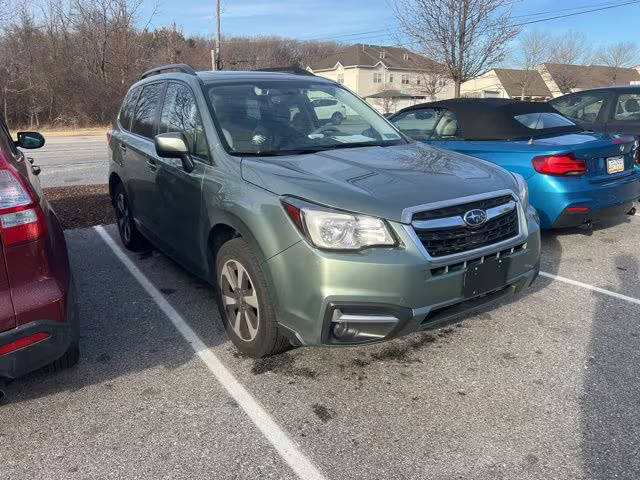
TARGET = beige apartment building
(507,83)
(548,80)
(389,78)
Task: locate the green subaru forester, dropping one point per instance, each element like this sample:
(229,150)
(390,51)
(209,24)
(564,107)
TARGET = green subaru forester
(313,229)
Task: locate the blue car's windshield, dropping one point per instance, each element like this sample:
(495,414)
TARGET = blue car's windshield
(285,117)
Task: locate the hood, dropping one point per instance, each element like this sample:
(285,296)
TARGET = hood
(377,181)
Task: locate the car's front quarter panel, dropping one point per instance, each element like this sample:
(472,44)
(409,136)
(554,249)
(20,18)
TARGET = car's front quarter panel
(255,213)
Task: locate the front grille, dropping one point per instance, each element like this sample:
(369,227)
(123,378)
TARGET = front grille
(459,210)
(449,241)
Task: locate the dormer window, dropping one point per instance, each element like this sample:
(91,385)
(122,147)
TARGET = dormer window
(405,56)
(382,54)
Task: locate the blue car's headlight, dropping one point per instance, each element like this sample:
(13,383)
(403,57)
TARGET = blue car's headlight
(523,190)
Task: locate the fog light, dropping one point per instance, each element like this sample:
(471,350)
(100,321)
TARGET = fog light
(354,328)
(340,329)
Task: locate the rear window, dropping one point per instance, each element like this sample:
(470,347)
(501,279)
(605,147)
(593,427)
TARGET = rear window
(543,120)
(144,120)
(128,106)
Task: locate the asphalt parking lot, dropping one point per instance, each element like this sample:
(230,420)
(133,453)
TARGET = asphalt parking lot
(544,386)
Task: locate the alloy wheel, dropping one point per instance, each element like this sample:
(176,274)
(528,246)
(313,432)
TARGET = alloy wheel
(240,300)
(123,217)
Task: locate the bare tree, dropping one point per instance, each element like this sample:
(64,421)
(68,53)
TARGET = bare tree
(533,48)
(571,48)
(617,56)
(431,81)
(466,36)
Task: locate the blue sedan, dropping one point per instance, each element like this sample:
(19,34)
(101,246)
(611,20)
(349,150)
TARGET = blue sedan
(575,177)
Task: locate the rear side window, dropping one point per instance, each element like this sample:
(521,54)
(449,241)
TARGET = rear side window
(628,107)
(417,124)
(582,107)
(144,119)
(543,120)
(6,142)
(128,106)
(180,114)
(447,127)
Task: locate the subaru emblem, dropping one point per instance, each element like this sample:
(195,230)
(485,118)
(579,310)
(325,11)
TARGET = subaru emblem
(475,218)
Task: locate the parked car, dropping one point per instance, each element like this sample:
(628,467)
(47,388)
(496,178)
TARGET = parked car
(612,110)
(575,177)
(38,319)
(309,233)
(330,110)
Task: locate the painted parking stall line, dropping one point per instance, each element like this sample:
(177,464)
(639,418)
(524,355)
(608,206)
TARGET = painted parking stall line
(593,288)
(286,448)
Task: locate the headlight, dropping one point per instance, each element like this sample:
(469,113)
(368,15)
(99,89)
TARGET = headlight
(523,190)
(336,230)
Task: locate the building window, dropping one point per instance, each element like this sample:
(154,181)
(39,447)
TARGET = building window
(417,80)
(377,77)
(405,79)
(391,78)
(382,54)
(405,56)
(341,78)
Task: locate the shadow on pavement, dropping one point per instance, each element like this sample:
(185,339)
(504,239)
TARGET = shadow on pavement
(122,331)
(611,400)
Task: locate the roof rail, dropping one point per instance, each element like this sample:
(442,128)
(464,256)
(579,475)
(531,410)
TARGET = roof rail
(180,67)
(291,70)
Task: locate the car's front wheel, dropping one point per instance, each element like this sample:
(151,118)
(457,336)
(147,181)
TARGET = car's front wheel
(244,301)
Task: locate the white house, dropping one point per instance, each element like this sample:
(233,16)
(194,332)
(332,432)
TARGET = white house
(390,78)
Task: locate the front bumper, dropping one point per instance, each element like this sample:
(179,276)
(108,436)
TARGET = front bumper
(309,285)
(35,356)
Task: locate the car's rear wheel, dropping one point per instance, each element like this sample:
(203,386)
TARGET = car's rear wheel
(337,118)
(131,237)
(245,303)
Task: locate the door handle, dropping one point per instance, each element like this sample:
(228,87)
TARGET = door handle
(152,165)
(123,148)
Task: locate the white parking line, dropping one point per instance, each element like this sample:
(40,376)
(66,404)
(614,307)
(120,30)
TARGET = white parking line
(590,287)
(285,447)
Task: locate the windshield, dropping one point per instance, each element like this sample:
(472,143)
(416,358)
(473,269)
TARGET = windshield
(281,118)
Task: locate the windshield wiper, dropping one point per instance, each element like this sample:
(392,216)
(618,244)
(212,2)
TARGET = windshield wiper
(306,151)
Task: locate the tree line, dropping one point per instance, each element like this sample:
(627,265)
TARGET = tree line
(70,62)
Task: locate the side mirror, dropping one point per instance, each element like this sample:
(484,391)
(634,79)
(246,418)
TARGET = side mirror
(29,140)
(174,145)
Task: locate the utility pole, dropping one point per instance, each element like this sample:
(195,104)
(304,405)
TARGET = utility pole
(218,59)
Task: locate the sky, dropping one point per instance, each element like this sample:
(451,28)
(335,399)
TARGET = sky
(371,21)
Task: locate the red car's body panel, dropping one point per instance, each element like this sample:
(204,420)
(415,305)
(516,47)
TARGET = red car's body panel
(37,324)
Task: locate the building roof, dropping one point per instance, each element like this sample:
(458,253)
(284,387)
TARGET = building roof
(364,55)
(390,94)
(514,80)
(590,76)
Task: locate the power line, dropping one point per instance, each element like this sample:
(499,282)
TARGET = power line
(633,2)
(547,12)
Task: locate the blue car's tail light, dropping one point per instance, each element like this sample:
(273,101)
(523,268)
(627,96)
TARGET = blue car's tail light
(560,165)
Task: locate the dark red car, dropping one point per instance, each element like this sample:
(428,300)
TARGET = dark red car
(38,320)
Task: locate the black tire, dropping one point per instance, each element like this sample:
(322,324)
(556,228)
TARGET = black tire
(130,236)
(68,360)
(265,339)
(337,118)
